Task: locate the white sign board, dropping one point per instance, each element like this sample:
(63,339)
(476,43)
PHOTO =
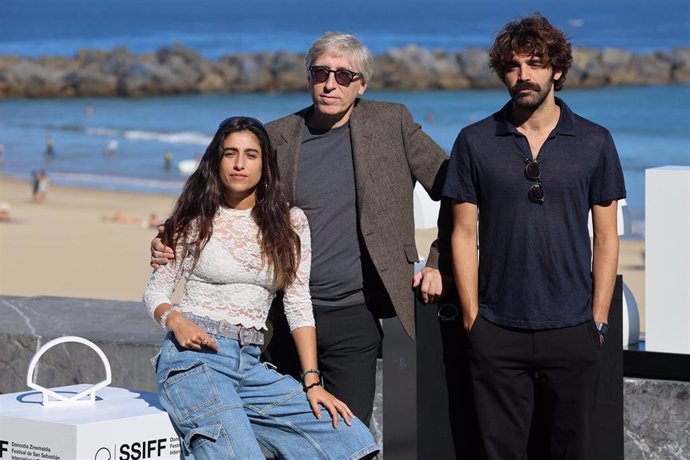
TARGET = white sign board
(121,425)
(667,252)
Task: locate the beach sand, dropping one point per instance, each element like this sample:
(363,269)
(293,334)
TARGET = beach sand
(67,246)
(70,246)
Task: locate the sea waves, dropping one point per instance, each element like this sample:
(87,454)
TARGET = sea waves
(183,137)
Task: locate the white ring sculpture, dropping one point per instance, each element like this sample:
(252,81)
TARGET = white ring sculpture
(79,398)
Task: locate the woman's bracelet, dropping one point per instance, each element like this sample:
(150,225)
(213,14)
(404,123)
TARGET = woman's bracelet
(309,371)
(309,387)
(164,318)
(318,383)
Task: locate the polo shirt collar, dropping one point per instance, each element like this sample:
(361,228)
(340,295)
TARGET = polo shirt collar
(564,127)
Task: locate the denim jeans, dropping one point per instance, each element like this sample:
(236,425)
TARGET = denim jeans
(225,403)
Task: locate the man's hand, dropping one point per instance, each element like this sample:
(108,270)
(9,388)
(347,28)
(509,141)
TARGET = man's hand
(432,284)
(160,253)
(468,320)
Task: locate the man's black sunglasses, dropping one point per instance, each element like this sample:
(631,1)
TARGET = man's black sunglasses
(249,120)
(533,172)
(343,77)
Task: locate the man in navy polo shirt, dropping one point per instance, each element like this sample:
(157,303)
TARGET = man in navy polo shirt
(535,304)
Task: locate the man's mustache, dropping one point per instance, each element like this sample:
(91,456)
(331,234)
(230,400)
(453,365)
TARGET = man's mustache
(525,85)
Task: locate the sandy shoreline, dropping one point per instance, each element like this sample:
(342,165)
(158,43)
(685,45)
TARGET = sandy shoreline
(65,247)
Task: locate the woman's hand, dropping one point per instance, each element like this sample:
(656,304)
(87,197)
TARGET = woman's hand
(318,395)
(188,334)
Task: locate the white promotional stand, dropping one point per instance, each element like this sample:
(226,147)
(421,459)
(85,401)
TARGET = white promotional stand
(85,421)
(667,276)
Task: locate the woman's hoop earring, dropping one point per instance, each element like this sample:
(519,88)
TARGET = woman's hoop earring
(263,192)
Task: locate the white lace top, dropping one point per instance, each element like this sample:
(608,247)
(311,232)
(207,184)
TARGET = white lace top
(230,282)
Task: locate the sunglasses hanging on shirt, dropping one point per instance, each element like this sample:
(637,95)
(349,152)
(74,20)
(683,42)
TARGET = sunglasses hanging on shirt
(533,172)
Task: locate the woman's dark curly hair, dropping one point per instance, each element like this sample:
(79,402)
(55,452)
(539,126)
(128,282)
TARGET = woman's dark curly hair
(533,36)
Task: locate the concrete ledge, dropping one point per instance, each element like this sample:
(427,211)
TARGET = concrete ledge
(656,412)
(123,330)
(656,419)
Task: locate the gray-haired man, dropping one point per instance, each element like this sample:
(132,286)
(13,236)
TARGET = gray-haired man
(351,165)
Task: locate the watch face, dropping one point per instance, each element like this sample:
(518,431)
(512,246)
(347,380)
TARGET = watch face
(603,328)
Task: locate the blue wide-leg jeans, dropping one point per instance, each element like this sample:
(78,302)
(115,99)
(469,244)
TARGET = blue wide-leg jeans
(225,403)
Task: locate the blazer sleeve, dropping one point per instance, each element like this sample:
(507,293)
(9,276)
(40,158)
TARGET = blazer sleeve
(427,161)
(428,164)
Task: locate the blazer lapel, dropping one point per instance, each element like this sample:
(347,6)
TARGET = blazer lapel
(361,138)
(287,152)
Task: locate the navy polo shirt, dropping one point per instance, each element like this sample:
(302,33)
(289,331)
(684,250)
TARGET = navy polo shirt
(534,259)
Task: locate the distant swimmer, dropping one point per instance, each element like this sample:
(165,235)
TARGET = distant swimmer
(167,160)
(110,148)
(50,148)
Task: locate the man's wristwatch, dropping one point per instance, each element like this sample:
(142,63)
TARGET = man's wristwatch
(603,328)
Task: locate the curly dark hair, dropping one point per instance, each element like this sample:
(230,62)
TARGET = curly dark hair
(534,36)
(203,194)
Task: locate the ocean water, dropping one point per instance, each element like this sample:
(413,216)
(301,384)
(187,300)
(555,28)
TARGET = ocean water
(215,27)
(650,125)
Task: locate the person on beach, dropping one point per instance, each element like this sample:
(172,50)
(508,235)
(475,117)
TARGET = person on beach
(535,304)
(34,185)
(110,148)
(41,187)
(237,242)
(5,215)
(50,149)
(351,165)
(167,160)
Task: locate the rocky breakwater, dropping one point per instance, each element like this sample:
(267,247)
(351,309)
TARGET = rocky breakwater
(179,70)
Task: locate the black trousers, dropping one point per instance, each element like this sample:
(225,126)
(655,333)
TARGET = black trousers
(348,342)
(519,376)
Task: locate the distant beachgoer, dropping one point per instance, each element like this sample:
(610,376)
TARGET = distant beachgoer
(2,152)
(110,148)
(121,218)
(42,187)
(5,212)
(167,160)
(88,110)
(34,185)
(50,148)
(154,220)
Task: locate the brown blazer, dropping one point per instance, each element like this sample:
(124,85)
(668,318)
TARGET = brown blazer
(390,153)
